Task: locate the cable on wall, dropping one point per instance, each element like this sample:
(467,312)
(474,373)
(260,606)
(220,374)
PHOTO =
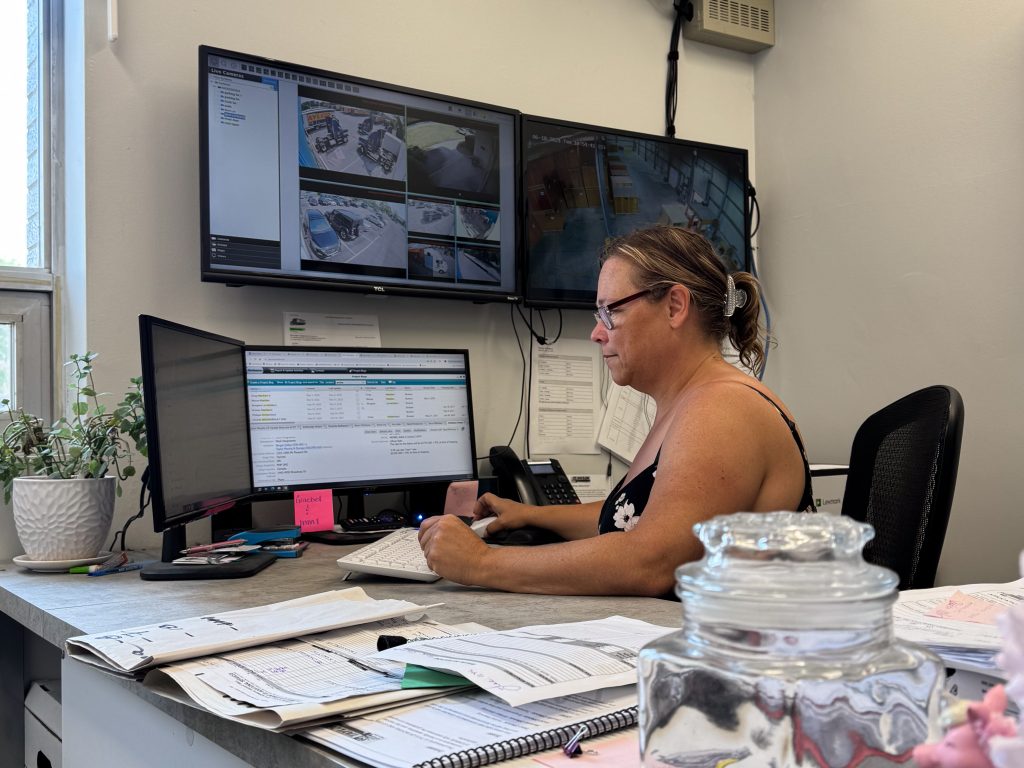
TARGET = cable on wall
(769,339)
(684,13)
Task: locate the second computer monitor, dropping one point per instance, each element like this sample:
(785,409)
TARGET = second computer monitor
(585,185)
(358,419)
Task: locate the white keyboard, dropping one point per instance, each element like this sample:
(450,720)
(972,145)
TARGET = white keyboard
(398,555)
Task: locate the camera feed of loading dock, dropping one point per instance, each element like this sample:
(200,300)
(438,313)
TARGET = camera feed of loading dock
(360,160)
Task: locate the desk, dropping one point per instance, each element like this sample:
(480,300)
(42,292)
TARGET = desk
(100,710)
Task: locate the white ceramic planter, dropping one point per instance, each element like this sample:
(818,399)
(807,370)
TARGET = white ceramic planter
(63,519)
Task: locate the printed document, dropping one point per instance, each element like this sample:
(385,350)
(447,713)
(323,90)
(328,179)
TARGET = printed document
(590,487)
(539,662)
(945,620)
(627,419)
(301,681)
(564,397)
(464,722)
(129,651)
(303,329)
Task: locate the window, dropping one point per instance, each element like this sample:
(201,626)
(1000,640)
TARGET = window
(31,56)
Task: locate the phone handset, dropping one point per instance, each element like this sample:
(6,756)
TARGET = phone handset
(514,481)
(533,482)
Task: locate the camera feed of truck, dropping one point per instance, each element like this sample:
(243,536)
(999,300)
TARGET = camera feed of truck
(350,139)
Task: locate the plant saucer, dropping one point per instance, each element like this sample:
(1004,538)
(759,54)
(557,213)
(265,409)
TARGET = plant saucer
(56,566)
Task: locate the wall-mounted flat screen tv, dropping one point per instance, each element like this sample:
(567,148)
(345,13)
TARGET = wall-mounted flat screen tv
(584,184)
(322,180)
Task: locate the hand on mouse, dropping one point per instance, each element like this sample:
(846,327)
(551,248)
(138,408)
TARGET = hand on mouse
(453,550)
(506,514)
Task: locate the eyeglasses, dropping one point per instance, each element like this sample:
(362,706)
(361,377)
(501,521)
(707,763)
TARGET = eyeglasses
(604,313)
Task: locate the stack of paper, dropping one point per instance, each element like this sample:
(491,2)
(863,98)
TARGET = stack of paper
(128,652)
(958,622)
(312,664)
(541,686)
(236,665)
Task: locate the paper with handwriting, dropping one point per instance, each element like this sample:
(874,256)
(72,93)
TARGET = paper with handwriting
(540,662)
(132,650)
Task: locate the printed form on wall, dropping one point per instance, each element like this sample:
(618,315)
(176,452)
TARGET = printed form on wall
(564,398)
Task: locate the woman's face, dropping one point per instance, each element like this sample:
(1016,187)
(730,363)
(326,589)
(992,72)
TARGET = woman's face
(623,348)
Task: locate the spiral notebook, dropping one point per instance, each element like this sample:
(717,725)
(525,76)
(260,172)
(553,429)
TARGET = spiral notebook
(475,729)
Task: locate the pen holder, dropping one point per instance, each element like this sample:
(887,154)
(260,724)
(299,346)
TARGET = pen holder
(786,655)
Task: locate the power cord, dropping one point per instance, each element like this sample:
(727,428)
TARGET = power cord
(542,336)
(144,500)
(684,13)
(522,380)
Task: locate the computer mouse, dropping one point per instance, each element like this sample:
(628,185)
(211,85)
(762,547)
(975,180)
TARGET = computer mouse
(479,526)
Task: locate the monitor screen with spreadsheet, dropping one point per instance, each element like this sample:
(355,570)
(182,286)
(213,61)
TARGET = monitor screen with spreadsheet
(358,418)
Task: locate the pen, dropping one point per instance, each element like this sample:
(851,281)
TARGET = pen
(119,569)
(119,558)
(215,545)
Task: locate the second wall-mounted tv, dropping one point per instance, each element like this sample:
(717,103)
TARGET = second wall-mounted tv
(584,184)
(322,180)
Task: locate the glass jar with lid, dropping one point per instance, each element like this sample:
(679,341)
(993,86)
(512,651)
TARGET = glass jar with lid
(786,656)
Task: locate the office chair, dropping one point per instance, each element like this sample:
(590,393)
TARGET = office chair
(903,467)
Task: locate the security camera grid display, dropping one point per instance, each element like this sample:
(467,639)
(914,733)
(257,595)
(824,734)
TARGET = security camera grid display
(584,185)
(384,188)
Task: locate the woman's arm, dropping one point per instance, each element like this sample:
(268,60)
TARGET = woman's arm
(713,461)
(570,521)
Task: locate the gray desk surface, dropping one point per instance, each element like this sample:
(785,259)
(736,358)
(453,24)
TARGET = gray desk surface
(58,606)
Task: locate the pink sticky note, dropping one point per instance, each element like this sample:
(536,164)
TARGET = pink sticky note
(962,607)
(461,497)
(314,510)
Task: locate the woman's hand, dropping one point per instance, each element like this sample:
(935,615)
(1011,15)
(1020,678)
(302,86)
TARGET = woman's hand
(509,514)
(452,549)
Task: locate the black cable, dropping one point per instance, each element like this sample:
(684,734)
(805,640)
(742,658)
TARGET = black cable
(752,207)
(684,13)
(144,499)
(559,334)
(529,325)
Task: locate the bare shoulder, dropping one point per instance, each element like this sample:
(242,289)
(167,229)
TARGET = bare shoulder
(734,410)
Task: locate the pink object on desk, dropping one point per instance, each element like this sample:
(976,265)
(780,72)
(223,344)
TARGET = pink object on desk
(461,497)
(619,751)
(314,510)
(967,745)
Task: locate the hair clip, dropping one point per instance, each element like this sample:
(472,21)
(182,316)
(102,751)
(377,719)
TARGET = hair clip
(735,298)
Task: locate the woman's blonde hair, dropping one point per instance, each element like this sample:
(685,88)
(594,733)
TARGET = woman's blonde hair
(667,256)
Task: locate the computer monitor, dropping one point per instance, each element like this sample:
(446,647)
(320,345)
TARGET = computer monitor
(193,386)
(584,184)
(317,179)
(358,419)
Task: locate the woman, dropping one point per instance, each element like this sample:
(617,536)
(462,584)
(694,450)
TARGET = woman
(721,442)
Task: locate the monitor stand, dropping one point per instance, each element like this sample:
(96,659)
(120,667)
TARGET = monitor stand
(222,525)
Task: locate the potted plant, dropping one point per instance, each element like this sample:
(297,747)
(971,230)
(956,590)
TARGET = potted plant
(63,477)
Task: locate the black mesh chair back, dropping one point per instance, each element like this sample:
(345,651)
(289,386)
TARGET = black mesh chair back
(902,474)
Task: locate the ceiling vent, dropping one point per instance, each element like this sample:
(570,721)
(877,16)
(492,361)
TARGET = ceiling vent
(743,25)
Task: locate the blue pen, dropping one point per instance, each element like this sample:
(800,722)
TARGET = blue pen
(119,569)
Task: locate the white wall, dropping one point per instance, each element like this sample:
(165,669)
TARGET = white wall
(890,142)
(596,61)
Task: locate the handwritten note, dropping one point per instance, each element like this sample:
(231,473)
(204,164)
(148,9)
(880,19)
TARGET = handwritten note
(314,510)
(963,607)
